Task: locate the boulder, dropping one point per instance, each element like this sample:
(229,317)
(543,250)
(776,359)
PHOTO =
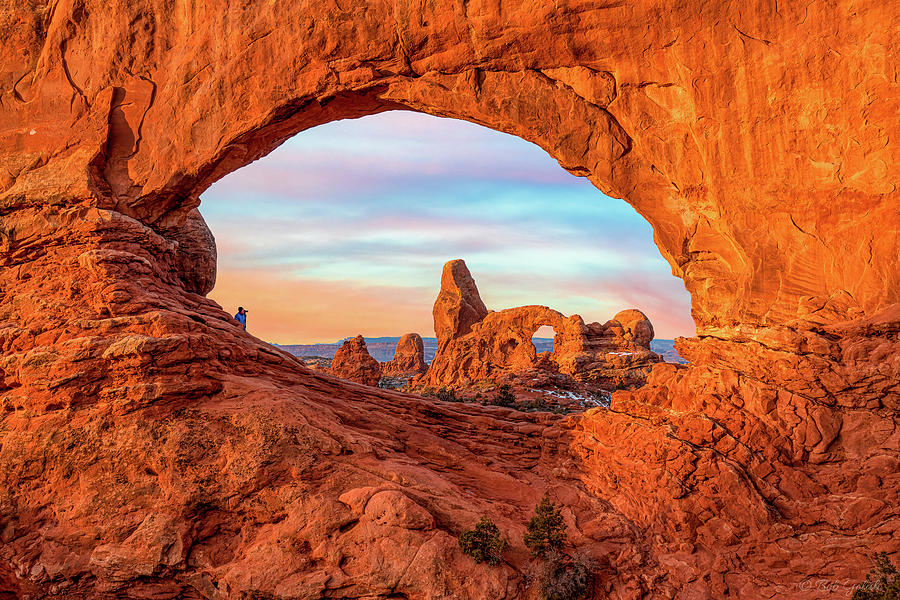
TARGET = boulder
(195,255)
(409,358)
(352,361)
(636,329)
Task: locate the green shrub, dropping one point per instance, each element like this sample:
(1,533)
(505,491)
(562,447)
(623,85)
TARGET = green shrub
(537,404)
(546,530)
(565,578)
(483,543)
(504,397)
(444,394)
(882,582)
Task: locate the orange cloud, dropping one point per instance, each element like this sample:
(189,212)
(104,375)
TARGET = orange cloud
(292,311)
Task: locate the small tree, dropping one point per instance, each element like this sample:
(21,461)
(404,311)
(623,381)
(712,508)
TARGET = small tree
(563,578)
(483,543)
(504,396)
(882,582)
(537,404)
(447,395)
(443,394)
(546,530)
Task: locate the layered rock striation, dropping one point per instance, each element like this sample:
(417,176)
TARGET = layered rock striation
(150,448)
(498,344)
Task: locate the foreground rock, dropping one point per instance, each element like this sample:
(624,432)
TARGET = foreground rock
(476,346)
(150,448)
(352,361)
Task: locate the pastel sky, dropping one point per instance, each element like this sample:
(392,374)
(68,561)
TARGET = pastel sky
(344,230)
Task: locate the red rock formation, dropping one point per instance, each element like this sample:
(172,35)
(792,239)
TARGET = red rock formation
(636,329)
(458,305)
(616,352)
(409,358)
(499,344)
(352,361)
(151,448)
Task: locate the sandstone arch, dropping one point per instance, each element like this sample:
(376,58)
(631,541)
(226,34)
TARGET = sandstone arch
(478,346)
(757,138)
(150,135)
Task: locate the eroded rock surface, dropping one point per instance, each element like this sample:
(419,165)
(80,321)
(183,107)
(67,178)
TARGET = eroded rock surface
(352,361)
(498,345)
(142,431)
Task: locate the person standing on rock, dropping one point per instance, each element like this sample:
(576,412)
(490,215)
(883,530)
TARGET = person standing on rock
(241,317)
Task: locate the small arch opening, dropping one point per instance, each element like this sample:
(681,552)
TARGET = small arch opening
(542,339)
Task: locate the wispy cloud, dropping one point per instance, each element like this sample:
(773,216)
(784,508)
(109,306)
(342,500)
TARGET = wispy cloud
(344,230)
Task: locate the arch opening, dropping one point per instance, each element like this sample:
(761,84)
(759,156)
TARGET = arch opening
(562,111)
(351,221)
(543,338)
